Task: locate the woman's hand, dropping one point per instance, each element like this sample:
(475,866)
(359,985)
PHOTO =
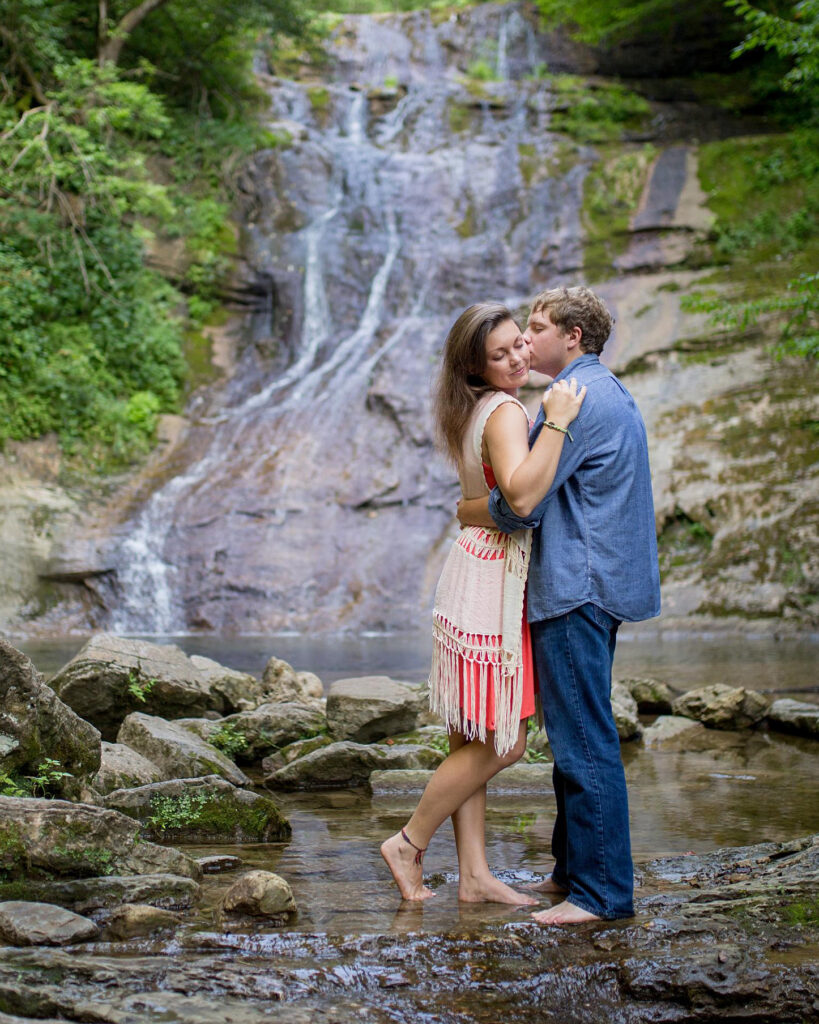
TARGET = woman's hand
(561,403)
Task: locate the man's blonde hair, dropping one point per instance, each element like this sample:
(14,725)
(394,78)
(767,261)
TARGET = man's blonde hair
(577,307)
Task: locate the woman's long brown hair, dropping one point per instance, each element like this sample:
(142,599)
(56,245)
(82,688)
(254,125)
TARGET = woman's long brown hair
(460,382)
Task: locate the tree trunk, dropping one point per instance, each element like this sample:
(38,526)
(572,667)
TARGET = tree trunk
(110,44)
(23,64)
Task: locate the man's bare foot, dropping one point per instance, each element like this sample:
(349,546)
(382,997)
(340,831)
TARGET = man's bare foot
(488,889)
(409,876)
(547,885)
(564,913)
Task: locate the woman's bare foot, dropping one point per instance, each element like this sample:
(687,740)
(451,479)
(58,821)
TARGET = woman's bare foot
(488,889)
(564,913)
(409,876)
(547,885)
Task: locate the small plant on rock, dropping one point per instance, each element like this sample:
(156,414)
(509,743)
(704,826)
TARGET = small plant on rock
(170,812)
(229,739)
(137,689)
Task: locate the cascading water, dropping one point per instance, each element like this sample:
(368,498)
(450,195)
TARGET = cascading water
(312,498)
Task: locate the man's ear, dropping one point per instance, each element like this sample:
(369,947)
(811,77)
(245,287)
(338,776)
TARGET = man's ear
(575,338)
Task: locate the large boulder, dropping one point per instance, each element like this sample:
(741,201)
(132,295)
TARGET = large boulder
(652,696)
(794,716)
(84,895)
(54,837)
(42,924)
(624,709)
(369,708)
(675,732)
(240,690)
(180,753)
(260,894)
(349,764)
(722,707)
(135,919)
(121,768)
(292,752)
(37,727)
(282,682)
(202,810)
(251,735)
(112,676)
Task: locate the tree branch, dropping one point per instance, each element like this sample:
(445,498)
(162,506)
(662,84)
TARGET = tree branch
(25,67)
(110,44)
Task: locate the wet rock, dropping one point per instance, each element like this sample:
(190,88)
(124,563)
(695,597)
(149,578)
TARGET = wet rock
(345,764)
(624,709)
(35,725)
(282,682)
(121,767)
(84,895)
(674,732)
(261,894)
(369,708)
(59,838)
(113,675)
(42,924)
(652,696)
(180,753)
(217,863)
(240,690)
(723,707)
(293,751)
(135,919)
(518,779)
(203,810)
(262,730)
(794,716)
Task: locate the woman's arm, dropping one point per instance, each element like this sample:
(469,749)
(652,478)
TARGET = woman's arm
(523,475)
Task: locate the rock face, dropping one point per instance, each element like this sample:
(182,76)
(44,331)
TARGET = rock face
(261,894)
(112,675)
(121,768)
(202,810)
(54,837)
(264,729)
(624,709)
(35,725)
(370,707)
(794,716)
(723,707)
(41,924)
(180,753)
(349,764)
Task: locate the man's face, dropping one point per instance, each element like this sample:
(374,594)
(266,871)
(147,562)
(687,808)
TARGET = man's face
(549,346)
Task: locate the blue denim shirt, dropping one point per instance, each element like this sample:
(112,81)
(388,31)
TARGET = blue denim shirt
(594,537)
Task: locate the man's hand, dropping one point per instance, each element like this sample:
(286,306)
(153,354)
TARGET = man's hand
(475,512)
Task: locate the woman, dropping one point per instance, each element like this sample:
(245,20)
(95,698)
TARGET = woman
(482,679)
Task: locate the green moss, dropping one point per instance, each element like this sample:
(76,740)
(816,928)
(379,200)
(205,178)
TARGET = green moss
(199,814)
(469,225)
(527,161)
(595,112)
(460,117)
(319,97)
(803,912)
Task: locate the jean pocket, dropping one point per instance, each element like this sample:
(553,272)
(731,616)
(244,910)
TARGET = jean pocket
(602,618)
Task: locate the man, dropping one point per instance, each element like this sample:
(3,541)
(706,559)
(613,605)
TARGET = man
(593,565)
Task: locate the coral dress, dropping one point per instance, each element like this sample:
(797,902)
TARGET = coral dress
(482,676)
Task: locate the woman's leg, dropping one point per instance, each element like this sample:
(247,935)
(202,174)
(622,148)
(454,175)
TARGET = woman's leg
(476,883)
(467,768)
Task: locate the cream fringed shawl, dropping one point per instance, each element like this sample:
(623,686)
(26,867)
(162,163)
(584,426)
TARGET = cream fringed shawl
(478,612)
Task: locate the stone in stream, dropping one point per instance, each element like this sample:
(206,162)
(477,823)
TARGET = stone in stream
(36,726)
(113,675)
(216,863)
(624,709)
(121,767)
(794,716)
(283,683)
(262,730)
(519,779)
(83,895)
(349,764)
(134,919)
(293,751)
(722,707)
(652,696)
(41,924)
(54,837)
(260,894)
(178,751)
(674,732)
(204,810)
(369,708)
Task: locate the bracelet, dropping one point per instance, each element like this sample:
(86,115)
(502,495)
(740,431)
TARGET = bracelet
(563,430)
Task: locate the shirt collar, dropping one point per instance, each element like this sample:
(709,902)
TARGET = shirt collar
(586,359)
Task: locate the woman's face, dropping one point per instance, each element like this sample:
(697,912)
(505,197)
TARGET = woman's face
(507,358)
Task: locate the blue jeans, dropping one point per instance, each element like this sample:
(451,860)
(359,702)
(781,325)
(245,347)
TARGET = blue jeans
(590,843)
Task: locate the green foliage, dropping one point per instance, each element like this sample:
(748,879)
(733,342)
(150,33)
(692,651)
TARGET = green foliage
(794,39)
(170,812)
(228,739)
(599,113)
(482,70)
(596,21)
(140,690)
(48,774)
